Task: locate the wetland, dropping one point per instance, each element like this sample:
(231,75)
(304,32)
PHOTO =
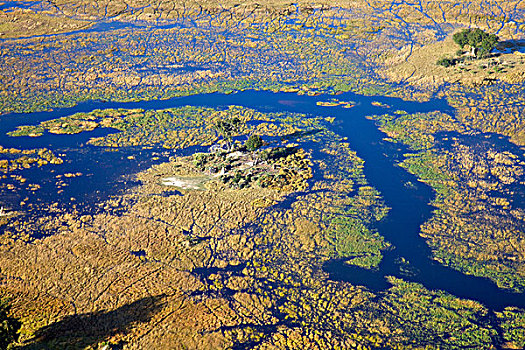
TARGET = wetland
(261,176)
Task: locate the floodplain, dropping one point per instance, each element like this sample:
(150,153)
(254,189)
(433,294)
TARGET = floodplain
(261,176)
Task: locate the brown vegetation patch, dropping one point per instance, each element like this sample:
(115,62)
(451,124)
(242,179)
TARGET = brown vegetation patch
(418,66)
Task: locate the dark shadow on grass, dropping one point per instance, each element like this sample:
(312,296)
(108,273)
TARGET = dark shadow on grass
(90,329)
(298,134)
(511,46)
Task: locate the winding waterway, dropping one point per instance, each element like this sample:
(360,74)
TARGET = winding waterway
(409,206)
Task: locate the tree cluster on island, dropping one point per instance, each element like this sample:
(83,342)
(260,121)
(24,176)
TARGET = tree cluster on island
(226,128)
(241,165)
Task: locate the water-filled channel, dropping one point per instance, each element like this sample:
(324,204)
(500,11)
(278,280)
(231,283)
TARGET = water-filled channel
(409,205)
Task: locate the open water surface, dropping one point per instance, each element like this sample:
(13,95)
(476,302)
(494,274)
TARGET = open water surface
(108,174)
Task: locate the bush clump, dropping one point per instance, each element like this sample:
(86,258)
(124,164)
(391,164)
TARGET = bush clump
(253,143)
(446,62)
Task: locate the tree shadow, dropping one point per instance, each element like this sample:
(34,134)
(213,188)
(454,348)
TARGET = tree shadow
(90,329)
(511,46)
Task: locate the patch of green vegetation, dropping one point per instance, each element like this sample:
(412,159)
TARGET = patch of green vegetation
(356,242)
(417,130)
(471,178)
(426,165)
(480,42)
(435,318)
(367,205)
(27,130)
(446,62)
(513,326)
(253,143)
(349,230)
(400,112)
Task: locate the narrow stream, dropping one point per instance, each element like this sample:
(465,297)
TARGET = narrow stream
(410,206)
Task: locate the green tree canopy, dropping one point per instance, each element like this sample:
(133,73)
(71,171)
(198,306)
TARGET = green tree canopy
(480,42)
(227,127)
(253,143)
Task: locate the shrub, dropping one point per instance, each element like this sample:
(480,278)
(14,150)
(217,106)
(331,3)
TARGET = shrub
(445,62)
(253,143)
(200,160)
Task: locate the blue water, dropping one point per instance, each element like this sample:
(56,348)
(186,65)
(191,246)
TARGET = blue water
(511,46)
(409,206)
(7,5)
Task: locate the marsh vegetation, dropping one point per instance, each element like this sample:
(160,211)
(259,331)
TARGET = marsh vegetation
(219,234)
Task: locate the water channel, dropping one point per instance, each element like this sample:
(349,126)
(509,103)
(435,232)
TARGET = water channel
(410,207)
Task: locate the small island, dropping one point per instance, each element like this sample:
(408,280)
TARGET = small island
(239,165)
